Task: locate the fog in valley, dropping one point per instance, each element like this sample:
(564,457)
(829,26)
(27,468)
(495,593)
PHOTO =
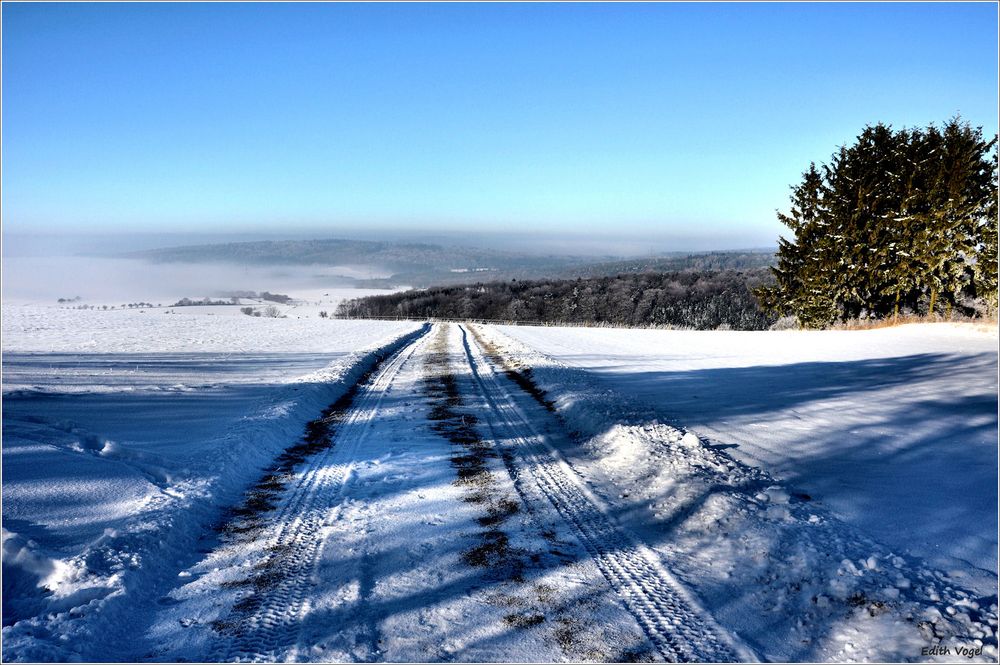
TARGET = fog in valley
(104,269)
(97,280)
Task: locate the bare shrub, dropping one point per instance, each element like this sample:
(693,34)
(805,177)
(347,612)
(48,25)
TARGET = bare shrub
(786,323)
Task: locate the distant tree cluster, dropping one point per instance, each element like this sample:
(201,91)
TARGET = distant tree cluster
(234,300)
(275,297)
(900,221)
(702,300)
(270,311)
(188,302)
(131,305)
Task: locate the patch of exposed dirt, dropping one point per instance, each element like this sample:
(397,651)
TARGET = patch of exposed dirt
(523,620)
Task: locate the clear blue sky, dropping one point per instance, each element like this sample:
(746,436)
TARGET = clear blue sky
(660,118)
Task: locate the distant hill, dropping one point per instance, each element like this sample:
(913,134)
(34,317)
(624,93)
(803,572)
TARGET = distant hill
(422,264)
(572,268)
(419,263)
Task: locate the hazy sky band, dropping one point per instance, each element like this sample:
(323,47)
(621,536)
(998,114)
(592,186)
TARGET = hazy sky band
(561,116)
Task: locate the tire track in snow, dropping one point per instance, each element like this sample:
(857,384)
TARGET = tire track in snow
(266,623)
(672,620)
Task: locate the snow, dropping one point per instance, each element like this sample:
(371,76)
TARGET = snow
(386,580)
(894,429)
(698,495)
(125,434)
(219,329)
(772,564)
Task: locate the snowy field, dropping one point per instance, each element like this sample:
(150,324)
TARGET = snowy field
(491,494)
(895,430)
(126,432)
(32,328)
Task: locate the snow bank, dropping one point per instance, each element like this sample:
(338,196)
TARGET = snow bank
(771,563)
(895,430)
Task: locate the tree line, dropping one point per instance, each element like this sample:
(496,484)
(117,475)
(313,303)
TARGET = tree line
(706,261)
(901,221)
(691,299)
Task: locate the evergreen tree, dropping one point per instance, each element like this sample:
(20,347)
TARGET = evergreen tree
(801,276)
(899,219)
(985,274)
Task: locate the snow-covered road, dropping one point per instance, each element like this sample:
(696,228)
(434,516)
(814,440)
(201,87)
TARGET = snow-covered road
(435,523)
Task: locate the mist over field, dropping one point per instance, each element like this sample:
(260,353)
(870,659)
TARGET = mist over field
(611,242)
(108,280)
(160,268)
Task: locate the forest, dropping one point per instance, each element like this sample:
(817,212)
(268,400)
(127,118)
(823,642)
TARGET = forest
(704,300)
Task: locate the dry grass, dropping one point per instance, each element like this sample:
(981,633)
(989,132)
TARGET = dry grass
(985,325)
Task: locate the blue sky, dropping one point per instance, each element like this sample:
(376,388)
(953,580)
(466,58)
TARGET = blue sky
(648,118)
